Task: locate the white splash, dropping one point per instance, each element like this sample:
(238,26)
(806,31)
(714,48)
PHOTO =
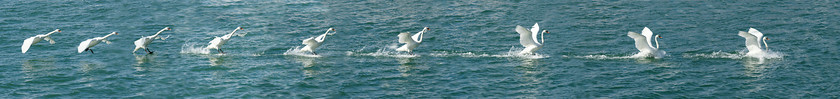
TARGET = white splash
(296,52)
(194,48)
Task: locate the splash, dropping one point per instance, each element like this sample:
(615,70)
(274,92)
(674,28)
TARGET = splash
(194,48)
(512,53)
(738,55)
(297,52)
(605,57)
(383,52)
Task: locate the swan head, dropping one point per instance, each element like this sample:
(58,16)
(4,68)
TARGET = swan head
(657,36)
(545,31)
(239,28)
(115,33)
(766,38)
(331,29)
(57,30)
(426,29)
(167,28)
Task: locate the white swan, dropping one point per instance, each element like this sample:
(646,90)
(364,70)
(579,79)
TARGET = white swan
(87,44)
(313,42)
(35,39)
(753,40)
(528,38)
(411,42)
(217,42)
(145,41)
(643,43)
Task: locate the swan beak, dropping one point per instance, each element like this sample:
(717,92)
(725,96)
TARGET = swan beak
(659,36)
(116,33)
(167,28)
(240,28)
(766,38)
(547,32)
(59,30)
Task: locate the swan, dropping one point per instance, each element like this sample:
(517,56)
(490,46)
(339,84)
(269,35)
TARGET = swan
(217,42)
(35,39)
(528,38)
(87,44)
(313,42)
(145,41)
(752,42)
(644,45)
(411,42)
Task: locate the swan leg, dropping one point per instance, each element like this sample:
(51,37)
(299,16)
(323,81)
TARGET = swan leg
(149,51)
(91,50)
(220,51)
(314,53)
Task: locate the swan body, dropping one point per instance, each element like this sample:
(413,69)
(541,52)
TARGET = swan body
(528,38)
(411,42)
(643,43)
(217,42)
(35,39)
(754,38)
(87,44)
(313,42)
(145,41)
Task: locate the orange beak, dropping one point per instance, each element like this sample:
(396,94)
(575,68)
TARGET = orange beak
(59,30)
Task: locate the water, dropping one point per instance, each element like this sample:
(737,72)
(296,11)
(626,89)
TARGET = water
(466,54)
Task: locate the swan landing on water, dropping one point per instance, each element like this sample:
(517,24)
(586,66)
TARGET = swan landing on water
(35,39)
(643,43)
(145,41)
(411,42)
(754,38)
(87,44)
(217,42)
(313,42)
(528,38)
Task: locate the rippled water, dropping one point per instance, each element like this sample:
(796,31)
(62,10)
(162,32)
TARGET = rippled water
(468,52)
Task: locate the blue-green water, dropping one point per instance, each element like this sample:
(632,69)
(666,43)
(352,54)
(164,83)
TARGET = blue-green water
(466,55)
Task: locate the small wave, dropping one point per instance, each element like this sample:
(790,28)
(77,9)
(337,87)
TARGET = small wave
(296,52)
(194,48)
(739,55)
(717,54)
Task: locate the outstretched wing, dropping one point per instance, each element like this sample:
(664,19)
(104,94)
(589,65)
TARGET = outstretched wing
(309,41)
(525,37)
(321,37)
(648,35)
(751,42)
(26,44)
(641,41)
(758,35)
(48,38)
(84,45)
(404,38)
(534,32)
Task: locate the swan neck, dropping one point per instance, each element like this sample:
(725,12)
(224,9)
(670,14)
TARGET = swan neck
(420,39)
(48,34)
(109,35)
(657,42)
(766,47)
(542,38)
(161,31)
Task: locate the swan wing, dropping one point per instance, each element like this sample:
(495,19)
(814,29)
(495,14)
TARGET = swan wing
(216,40)
(641,41)
(648,36)
(758,35)
(84,45)
(48,38)
(26,44)
(404,38)
(534,32)
(524,37)
(309,41)
(320,38)
(140,42)
(416,36)
(751,42)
